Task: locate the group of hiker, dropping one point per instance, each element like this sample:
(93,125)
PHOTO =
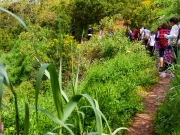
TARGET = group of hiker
(164,41)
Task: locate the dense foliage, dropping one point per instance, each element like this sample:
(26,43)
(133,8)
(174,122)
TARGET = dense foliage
(112,70)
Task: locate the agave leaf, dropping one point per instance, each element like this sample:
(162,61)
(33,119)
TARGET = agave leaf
(26,122)
(119,129)
(55,119)
(70,106)
(15,16)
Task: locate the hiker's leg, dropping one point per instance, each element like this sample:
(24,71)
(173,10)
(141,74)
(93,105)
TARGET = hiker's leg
(161,55)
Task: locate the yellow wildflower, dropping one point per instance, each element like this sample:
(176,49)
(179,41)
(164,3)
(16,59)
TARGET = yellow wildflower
(78,45)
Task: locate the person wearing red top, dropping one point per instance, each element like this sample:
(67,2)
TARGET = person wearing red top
(136,34)
(162,43)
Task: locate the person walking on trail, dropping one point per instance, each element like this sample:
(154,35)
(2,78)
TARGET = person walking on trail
(168,59)
(152,43)
(130,34)
(100,33)
(173,37)
(156,46)
(162,43)
(145,36)
(173,41)
(72,31)
(90,32)
(135,34)
(141,32)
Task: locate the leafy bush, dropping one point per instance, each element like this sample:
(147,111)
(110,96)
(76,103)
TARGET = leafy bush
(114,82)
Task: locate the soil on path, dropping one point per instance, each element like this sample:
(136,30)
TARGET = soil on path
(143,123)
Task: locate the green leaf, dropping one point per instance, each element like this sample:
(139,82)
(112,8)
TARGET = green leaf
(101,115)
(8,84)
(77,76)
(49,133)
(38,82)
(70,106)
(57,95)
(64,96)
(119,129)
(55,119)
(98,119)
(15,16)
(2,68)
(1,89)
(26,122)
(97,107)
(92,133)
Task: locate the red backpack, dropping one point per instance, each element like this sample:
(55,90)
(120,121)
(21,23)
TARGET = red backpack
(162,41)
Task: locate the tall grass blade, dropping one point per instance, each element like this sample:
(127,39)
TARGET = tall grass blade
(15,16)
(70,106)
(92,133)
(95,133)
(26,122)
(97,107)
(38,81)
(57,96)
(1,89)
(37,87)
(55,119)
(60,67)
(119,129)
(8,84)
(49,133)
(3,71)
(56,90)
(98,119)
(65,96)
(77,75)
(101,115)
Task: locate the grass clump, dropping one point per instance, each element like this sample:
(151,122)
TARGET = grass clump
(115,82)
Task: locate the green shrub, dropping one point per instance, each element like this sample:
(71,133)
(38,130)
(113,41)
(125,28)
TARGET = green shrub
(113,84)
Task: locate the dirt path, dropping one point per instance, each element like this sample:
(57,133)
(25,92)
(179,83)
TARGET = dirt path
(143,123)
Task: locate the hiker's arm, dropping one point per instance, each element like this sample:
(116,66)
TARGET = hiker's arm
(173,33)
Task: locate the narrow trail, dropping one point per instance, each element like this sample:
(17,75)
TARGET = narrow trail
(143,122)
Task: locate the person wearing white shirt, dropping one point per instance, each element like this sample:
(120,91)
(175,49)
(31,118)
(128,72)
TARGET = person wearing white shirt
(152,43)
(173,37)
